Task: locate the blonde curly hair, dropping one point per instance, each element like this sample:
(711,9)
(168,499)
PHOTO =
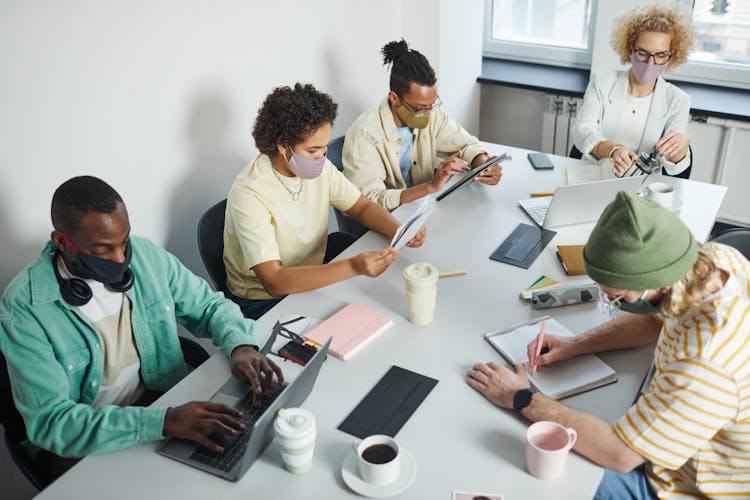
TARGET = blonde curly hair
(673,18)
(690,290)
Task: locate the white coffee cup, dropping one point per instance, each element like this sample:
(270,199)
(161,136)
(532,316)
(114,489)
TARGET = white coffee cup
(378,459)
(661,192)
(420,280)
(294,430)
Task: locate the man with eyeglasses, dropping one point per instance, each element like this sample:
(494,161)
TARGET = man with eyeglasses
(625,113)
(687,434)
(390,151)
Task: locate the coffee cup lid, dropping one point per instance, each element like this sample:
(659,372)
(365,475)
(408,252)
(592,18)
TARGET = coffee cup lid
(294,421)
(420,271)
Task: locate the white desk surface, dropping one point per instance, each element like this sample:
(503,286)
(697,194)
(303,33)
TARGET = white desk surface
(460,441)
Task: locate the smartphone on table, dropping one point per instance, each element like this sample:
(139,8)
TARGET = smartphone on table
(540,161)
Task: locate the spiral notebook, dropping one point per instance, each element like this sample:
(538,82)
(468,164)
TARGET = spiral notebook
(560,380)
(351,329)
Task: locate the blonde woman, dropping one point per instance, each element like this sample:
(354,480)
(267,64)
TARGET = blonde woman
(636,110)
(687,435)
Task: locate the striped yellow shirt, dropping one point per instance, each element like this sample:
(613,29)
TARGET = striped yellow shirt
(693,424)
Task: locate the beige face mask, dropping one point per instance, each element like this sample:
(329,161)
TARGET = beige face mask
(410,118)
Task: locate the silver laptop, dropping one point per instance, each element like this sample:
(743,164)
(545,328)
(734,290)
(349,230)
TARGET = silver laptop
(577,203)
(241,451)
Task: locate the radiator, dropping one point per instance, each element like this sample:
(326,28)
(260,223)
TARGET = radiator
(557,122)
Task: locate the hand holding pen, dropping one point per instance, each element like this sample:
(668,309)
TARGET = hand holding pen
(537,349)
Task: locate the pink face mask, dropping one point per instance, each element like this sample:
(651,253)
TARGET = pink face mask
(305,168)
(646,73)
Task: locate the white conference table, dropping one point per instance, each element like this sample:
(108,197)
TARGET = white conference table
(459,440)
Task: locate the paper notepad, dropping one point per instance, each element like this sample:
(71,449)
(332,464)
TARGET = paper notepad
(352,328)
(409,229)
(557,381)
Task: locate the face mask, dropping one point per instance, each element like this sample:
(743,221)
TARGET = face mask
(305,168)
(646,73)
(640,306)
(97,268)
(410,118)
(607,310)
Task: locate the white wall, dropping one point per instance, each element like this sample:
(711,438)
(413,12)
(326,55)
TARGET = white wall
(158,97)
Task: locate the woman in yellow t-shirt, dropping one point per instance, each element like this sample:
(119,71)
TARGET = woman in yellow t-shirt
(276,238)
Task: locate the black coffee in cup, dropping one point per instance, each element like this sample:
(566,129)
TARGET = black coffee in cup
(379,454)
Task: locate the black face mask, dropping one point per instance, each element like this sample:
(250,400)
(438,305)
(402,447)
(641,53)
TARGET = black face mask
(97,268)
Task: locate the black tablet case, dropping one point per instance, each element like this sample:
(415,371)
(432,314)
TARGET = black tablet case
(388,405)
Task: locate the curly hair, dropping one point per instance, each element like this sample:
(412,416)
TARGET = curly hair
(288,116)
(673,18)
(690,290)
(407,66)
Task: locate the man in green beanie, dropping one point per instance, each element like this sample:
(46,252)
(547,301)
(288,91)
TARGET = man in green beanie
(688,435)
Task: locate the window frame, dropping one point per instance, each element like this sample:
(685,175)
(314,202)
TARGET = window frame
(552,55)
(721,74)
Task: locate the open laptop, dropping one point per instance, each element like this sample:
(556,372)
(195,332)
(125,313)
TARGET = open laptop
(577,203)
(241,451)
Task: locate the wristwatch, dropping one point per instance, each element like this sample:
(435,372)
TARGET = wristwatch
(522,398)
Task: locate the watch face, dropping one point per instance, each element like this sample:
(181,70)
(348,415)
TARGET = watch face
(522,399)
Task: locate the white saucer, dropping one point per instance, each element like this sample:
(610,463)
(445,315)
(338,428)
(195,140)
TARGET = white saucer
(350,474)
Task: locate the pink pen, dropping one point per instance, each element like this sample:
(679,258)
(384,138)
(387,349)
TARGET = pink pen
(539,342)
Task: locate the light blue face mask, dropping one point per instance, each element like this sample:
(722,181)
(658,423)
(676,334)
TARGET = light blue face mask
(640,306)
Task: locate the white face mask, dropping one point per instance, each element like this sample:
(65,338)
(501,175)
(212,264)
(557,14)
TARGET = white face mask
(607,310)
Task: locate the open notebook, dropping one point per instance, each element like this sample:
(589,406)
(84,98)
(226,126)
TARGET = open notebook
(560,380)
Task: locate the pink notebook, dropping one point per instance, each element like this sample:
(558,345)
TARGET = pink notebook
(352,328)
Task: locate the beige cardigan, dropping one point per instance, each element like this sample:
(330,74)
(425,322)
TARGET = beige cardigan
(372,147)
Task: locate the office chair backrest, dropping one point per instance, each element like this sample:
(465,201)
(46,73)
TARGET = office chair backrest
(336,151)
(211,244)
(738,238)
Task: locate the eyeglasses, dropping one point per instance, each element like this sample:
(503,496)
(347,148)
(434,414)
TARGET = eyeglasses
(659,58)
(281,329)
(422,110)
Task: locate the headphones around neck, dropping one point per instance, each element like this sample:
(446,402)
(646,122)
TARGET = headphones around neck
(76,292)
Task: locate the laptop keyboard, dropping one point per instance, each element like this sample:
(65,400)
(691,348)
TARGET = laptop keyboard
(234,447)
(538,213)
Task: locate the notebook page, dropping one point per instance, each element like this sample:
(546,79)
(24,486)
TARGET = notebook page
(561,379)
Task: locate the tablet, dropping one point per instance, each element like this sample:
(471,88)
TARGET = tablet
(470,175)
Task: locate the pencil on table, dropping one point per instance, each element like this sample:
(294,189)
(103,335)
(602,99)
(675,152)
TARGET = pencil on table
(451,273)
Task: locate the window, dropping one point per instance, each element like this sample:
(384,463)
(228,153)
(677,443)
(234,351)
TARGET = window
(722,51)
(556,32)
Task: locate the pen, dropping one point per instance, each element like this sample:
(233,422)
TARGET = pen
(451,273)
(538,195)
(539,342)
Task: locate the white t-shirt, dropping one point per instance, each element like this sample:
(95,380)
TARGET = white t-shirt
(109,315)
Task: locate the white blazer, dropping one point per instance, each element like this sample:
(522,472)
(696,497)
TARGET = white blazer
(603,102)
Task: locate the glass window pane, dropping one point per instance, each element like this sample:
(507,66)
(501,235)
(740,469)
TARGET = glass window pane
(562,23)
(723,28)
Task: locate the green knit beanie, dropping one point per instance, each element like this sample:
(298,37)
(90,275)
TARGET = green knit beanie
(639,245)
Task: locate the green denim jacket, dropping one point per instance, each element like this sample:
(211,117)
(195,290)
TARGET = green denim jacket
(55,360)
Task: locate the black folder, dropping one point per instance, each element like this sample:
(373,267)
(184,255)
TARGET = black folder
(388,405)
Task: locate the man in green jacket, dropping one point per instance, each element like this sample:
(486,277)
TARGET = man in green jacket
(89,331)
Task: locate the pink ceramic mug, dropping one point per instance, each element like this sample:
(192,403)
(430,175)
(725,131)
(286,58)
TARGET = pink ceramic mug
(547,447)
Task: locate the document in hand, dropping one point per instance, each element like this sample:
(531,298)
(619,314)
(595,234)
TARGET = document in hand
(409,229)
(352,328)
(557,381)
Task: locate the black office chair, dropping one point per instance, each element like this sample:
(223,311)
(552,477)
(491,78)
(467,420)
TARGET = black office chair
(738,238)
(346,223)
(211,244)
(685,174)
(15,430)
